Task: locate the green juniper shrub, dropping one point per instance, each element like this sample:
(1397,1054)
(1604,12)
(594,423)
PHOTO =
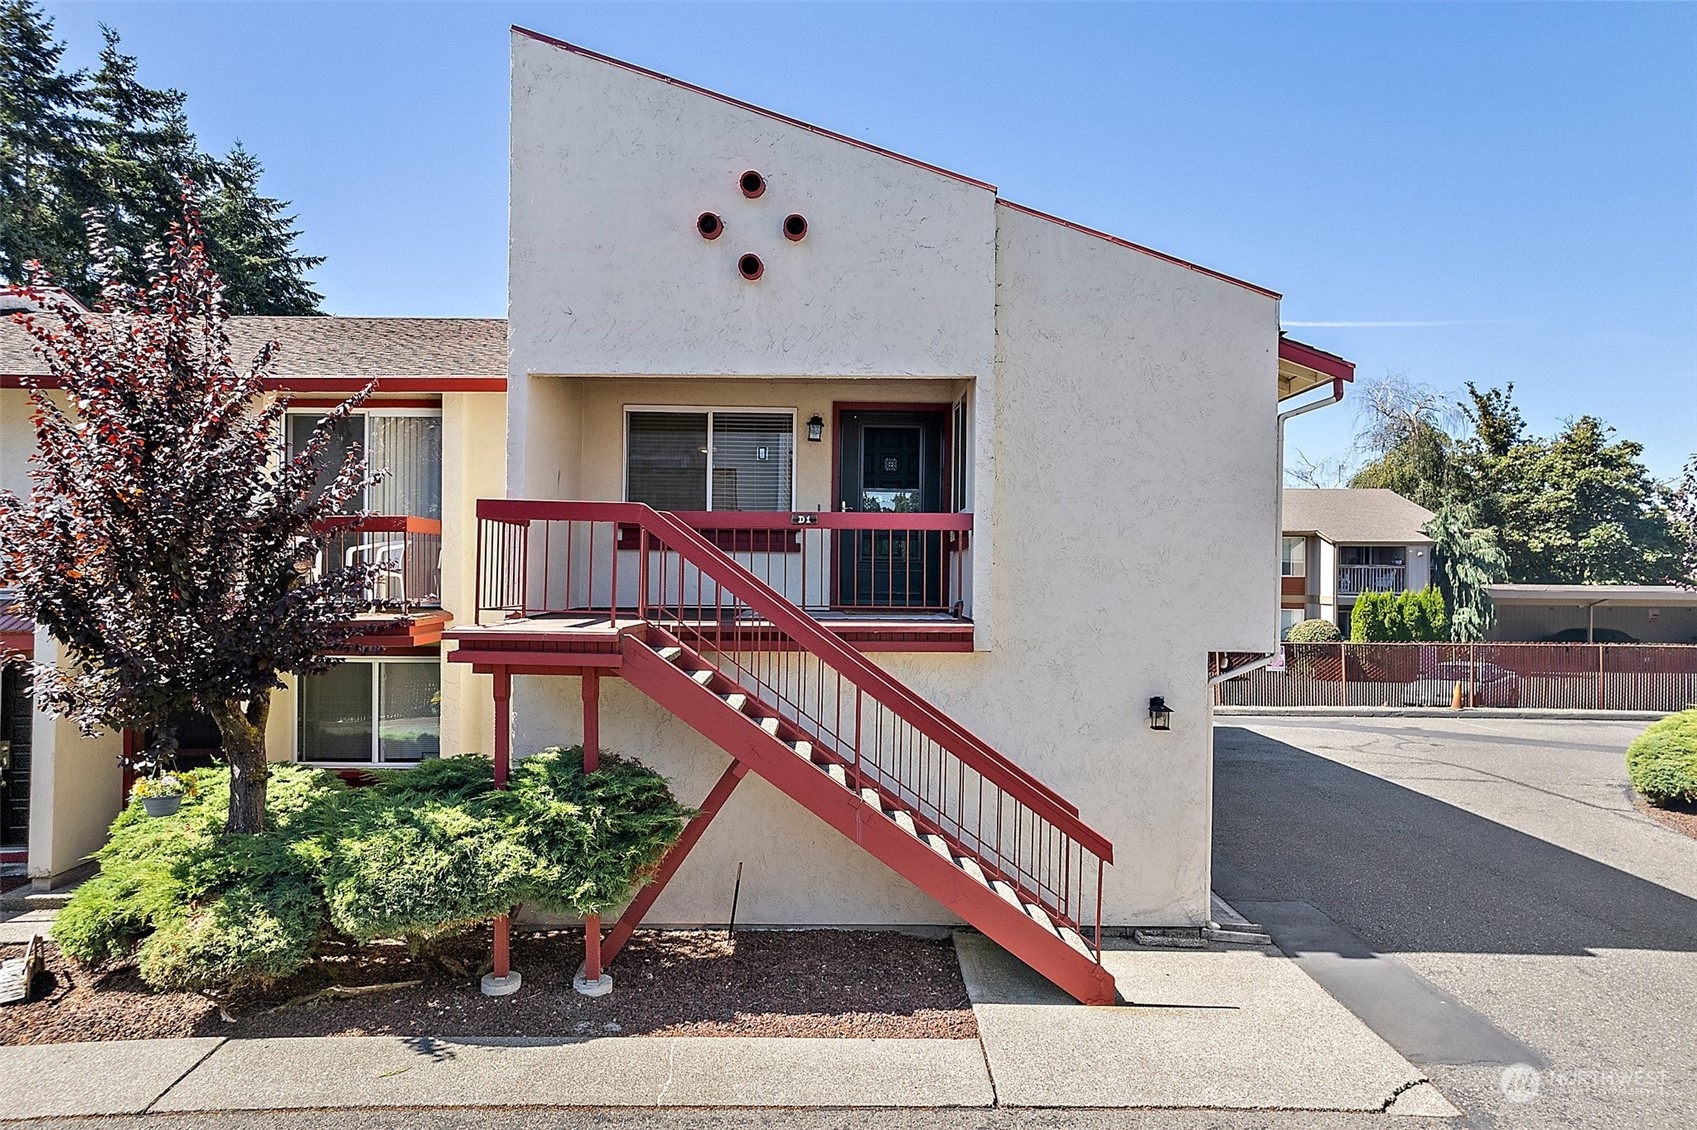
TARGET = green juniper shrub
(1662,761)
(1314,631)
(201,910)
(422,853)
(597,837)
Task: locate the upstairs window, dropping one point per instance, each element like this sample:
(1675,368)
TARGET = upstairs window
(732,459)
(405,444)
(1295,557)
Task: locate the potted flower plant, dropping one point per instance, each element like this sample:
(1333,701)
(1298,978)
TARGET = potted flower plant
(163,793)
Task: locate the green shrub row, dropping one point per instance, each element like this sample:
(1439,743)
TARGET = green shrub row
(1383,617)
(422,853)
(1662,761)
(1314,631)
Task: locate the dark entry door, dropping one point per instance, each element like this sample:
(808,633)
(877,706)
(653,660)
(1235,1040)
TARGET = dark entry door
(17,717)
(890,463)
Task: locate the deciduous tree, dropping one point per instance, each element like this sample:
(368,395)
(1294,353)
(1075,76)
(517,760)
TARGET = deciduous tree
(166,543)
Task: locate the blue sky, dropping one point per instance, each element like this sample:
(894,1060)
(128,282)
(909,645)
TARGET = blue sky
(1458,192)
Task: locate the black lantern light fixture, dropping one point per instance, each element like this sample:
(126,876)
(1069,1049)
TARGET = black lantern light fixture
(815,429)
(1160,715)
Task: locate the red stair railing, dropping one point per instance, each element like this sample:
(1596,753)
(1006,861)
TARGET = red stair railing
(626,562)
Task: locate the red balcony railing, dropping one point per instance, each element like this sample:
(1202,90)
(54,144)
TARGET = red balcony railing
(539,558)
(407,553)
(902,564)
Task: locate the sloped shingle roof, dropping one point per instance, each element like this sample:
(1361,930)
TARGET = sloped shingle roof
(1369,516)
(361,348)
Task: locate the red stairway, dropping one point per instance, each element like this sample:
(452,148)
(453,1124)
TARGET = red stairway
(726,652)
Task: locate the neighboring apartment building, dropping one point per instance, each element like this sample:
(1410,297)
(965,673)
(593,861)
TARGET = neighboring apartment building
(1339,544)
(436,426)
(866,505)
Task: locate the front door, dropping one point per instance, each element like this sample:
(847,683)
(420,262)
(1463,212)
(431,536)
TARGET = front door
(890,463)
(17,717)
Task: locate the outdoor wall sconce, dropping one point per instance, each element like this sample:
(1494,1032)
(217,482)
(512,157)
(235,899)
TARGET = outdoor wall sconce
(815,429)
(1160,716)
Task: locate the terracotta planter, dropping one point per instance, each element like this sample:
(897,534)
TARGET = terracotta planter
(161,805)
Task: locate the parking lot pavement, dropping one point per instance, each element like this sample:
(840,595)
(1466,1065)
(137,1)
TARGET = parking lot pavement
(1494,868)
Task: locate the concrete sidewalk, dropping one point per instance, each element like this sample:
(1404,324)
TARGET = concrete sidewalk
(1215,1028)
(1224,1029)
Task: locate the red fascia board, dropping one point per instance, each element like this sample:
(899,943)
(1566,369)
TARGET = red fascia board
(320,384)
(1319,360)
(749,106)
(1114,239)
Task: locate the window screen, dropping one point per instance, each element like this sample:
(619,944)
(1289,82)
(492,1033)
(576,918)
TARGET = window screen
(409,728)
(409,450)
(347,435)
(753,455)
(1295,557)
(666,460)
(335,713)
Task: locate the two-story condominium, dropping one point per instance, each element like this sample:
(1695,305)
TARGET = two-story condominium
(436,427)
(1339,544)
(901,526)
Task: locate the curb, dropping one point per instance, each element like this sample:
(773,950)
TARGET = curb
(1439,712)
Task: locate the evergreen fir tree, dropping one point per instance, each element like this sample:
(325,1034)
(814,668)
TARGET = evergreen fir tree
(251,242)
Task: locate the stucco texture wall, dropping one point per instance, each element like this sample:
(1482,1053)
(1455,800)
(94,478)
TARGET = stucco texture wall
(1122,451)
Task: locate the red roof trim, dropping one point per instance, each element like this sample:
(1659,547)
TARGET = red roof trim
(1319,360)
(740,104)
(329,384)
(1174,259)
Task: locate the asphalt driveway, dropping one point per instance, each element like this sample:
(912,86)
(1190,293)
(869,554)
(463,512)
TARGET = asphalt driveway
(1483,894)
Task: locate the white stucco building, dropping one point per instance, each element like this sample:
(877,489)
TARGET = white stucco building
(876,509)
(1098,415)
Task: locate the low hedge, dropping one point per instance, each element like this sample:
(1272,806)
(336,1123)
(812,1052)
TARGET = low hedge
(423,853)
(1662,761)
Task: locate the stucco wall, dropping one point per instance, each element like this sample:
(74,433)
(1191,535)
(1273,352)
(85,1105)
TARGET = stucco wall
(76,788)
(1123,452)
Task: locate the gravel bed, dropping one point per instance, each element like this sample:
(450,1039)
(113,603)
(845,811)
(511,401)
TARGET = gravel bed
(1681,818)
(830,983)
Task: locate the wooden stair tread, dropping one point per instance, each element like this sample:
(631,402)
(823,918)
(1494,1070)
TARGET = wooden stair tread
(970,866)
(1072,938)
(837,774)
(671,654)
(803,750)
(941,846)
(904,821)
(704,676)
(870,796)
(770,725)
(735,701)
(1007,892)
(1040,916)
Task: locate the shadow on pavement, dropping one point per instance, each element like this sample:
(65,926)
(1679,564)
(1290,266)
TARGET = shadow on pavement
(1406,872)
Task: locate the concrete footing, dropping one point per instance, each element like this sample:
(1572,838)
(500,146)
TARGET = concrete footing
(599,987)
(494,986)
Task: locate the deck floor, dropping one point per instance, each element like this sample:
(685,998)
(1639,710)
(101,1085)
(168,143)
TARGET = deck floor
(869,631)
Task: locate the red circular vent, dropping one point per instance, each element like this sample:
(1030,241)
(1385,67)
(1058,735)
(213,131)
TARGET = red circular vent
(795,227)
(751,267)
(709,225)
(752,184)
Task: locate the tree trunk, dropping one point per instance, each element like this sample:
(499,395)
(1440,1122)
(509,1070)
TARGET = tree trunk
(243,733)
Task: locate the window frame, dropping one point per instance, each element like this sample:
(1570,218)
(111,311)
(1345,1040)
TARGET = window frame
(365,415)
(710,411)
(375,761)
(1284,558)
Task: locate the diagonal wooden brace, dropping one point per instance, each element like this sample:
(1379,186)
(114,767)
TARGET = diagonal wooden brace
(634,913)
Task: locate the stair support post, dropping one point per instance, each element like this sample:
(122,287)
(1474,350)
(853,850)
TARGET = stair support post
(673,859)
(592,980)
(502,980)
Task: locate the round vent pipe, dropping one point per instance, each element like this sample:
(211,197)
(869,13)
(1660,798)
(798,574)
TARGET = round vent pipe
(709,225)
(795,227)
(753,185)
(751,267)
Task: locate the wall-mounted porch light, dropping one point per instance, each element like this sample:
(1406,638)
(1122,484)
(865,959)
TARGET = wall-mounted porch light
(815,429)
(1160,715)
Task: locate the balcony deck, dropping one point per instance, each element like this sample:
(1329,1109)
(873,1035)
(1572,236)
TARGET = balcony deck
(568,639)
